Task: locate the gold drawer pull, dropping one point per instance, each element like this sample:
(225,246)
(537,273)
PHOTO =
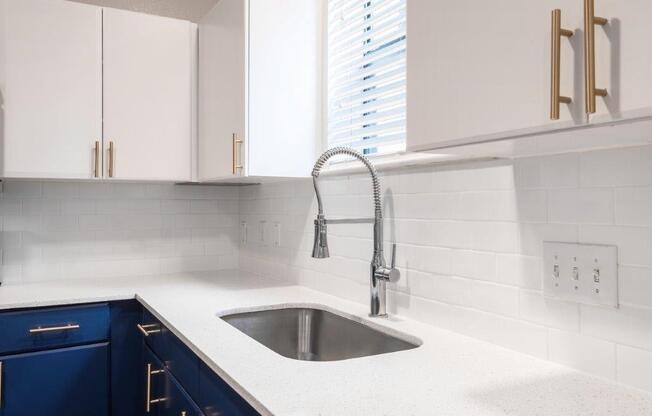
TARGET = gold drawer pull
(556,33)
(590,20)
(146,331)
(43,329)
(111,159)
(236,142)
(96,167)
(148,399)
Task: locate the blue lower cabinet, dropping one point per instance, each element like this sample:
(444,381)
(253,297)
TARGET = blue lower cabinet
(61,382)
(216,398)
(178,402)
(165,396)
(127,375)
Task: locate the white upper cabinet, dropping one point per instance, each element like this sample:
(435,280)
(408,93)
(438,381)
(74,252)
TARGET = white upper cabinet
(478,70)
(50,88)
(623,59)
(222,90)
(260,84)
(481,72)
(148,96)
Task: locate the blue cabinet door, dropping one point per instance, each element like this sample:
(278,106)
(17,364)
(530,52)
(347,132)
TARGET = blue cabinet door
(63,382)
(216,398)
(127,374)
(178,402)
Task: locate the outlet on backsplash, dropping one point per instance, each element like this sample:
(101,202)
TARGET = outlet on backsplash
(262,238)
(243,233)
(582,273)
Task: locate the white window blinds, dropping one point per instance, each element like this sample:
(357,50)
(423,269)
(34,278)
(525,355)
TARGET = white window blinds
(366,75)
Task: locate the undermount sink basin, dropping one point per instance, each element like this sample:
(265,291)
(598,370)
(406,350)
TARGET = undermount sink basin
(315,335)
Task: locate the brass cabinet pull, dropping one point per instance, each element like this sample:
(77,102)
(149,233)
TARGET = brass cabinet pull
(96,167)
(111,159)
(590,20)
(148,393)
(40,329)
(146,331)
(555,59)
(236,142)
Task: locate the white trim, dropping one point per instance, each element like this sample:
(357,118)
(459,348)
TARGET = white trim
(394,161)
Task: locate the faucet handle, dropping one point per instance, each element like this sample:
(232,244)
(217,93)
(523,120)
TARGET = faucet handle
(391,273)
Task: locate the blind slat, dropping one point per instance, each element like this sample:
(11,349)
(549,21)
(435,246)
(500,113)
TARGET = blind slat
(367,74)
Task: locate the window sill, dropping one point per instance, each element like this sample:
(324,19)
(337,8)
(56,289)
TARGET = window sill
(389,162)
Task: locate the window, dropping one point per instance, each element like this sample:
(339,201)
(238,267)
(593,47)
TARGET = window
(366,75)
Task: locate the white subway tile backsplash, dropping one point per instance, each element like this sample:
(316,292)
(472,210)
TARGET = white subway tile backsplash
(584,353)
(626,325)
(616,167)
(634,367)
(469,248)
(533,306)
(635,286)
(53,230)
(560,171)
(581,206)
(634,206)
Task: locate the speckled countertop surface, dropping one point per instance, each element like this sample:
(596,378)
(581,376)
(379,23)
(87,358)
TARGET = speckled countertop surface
(448,375)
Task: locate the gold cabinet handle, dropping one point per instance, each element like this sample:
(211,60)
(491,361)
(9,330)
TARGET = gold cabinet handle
(555,59)
(146,331)
(236,142)
(96,166)
(43,329)
(590,21)
(148,393)
(111,159)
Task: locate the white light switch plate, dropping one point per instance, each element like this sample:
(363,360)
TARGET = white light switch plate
(582,273)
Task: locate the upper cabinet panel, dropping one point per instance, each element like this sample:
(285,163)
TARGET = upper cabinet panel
(478,70)
(50,88)
(285,84)
(148,99)
(623,59)
(260,84)
(222,90)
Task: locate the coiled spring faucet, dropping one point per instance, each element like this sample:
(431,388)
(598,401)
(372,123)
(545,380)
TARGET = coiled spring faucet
(380,272)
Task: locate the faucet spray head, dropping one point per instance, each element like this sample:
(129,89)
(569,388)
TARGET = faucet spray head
(320,246)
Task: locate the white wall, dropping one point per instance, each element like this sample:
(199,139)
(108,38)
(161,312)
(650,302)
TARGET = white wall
(52,230)
(469,247)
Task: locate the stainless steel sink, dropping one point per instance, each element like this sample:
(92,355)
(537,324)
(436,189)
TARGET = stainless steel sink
(315,335)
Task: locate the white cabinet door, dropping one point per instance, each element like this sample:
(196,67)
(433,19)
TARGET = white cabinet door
(148,96)
(482,68)
(623,59)
(285,84)
(222,91)
(50,88)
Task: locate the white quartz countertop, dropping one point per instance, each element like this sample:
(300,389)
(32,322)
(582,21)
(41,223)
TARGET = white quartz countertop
(448,374)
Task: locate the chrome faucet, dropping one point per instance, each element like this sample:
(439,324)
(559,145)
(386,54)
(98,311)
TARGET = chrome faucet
(380,273)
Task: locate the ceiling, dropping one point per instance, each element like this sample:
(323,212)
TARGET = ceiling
(181,9)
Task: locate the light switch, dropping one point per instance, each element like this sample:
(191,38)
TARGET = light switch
(582,273)
(277,234)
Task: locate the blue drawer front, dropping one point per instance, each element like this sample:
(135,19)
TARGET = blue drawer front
(53,327)
(178,359)
(218,398)
(70,381)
